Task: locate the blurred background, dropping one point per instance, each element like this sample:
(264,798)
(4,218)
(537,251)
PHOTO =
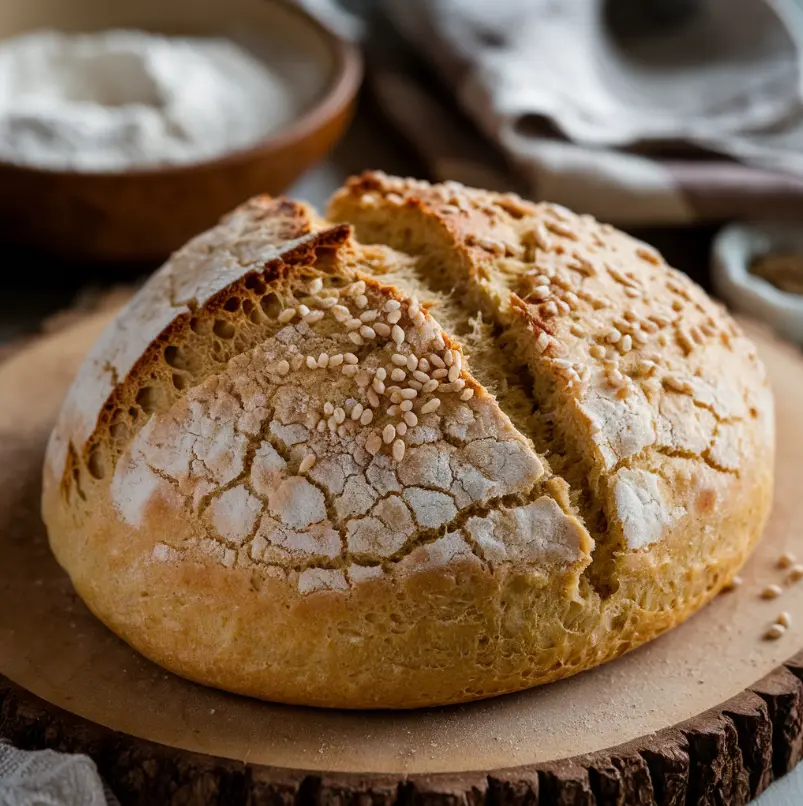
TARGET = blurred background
(126,128)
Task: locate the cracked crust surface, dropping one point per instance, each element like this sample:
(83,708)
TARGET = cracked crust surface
(475,446)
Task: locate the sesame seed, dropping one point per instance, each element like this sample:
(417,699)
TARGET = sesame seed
(328,408)
(336,360)
(397,334)
(401,428)
(353,324)
(303,310)
(550,308)
(366,417)
(626,345)
(361,301)
(394,317)
(315,286)
(398,374)
(367,332)
(410,418)
(379,386)
(640,337)
(734,583)
(448,358)
(540,292)
(339,415)
(414,384)
(392,305)
(331,422)
(382,329)
(395,396)
(408,394)
(398,450)
(356,411)
(796,573)
(381,373)
(437,374)
(321,426)
(437,341)
(323,360)
(286,315)
(356,338)
(341,313)
(786,560)
(784,619)
(419,319)
(436,361)
(596,351)
(350,358)
(349,370)
(423,365)
(311,362)
(430,405)
(413,308)
(430,386)
(373,443)
(297,362)
(467,394)
(373,398)
(399,360)
(613,335)
(454,373)
(368,316)
(357,288)
(388,433)
(542,342)
(342,431)
(412,362)
(313,316)
(283,367)
(406,405)
(306,463)
(420,376)
(676,383)
(457,385)
(775,632)
(771,592)
(325,302)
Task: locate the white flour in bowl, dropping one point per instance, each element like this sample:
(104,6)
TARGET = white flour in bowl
(123,99)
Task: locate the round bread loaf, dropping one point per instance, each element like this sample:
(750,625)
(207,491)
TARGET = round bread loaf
(457,445)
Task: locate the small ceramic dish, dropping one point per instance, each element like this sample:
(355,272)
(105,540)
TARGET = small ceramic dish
(734,250)
(143,215)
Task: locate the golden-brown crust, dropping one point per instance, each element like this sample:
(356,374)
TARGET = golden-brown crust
(246,524)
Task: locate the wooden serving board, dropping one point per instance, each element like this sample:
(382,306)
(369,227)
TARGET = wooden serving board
(709,713)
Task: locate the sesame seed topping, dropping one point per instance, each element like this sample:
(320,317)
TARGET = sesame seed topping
(315,286)
(408,394)
(436,361)
(341,313)
(339,415)
(467,394)
(796,573)
(412,362)
(437,374)
(419,319)
(349,370)
(381,373)
(361,301)
(397,334)
(306,463)
(366,417)
(540,292)
(353,324)
(542,342)
(313,316)
(437,341)
(356,411)
(454,373)
(373,398)
(398,374)
(401,428)
(420,376)
(399,360)
(350,358)
(367,332)
(784,619)
(772,592)
(303,310)
(382,329)
(430,405)
(323,360)
(356,338)
(311,362)
(388,433)
(423,365)
(368,316)
(457,385)
(286,315)
(373,443)
(336,360)
(430,386)
(297,362)
(775,632)
(392,305)
(626,344)
(328,408)
(448,358)
(406,405)
(393,317)
(613,335)
(325,302)
(379,386)
(321,425)
(786,560)
(410,418)
(357,288)
(398,450)
(283,367)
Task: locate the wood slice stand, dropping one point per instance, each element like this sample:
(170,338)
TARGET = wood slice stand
(708,714)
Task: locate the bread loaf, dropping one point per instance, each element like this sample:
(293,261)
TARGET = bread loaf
(442,445)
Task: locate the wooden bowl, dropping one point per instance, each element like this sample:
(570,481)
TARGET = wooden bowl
(143,215)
